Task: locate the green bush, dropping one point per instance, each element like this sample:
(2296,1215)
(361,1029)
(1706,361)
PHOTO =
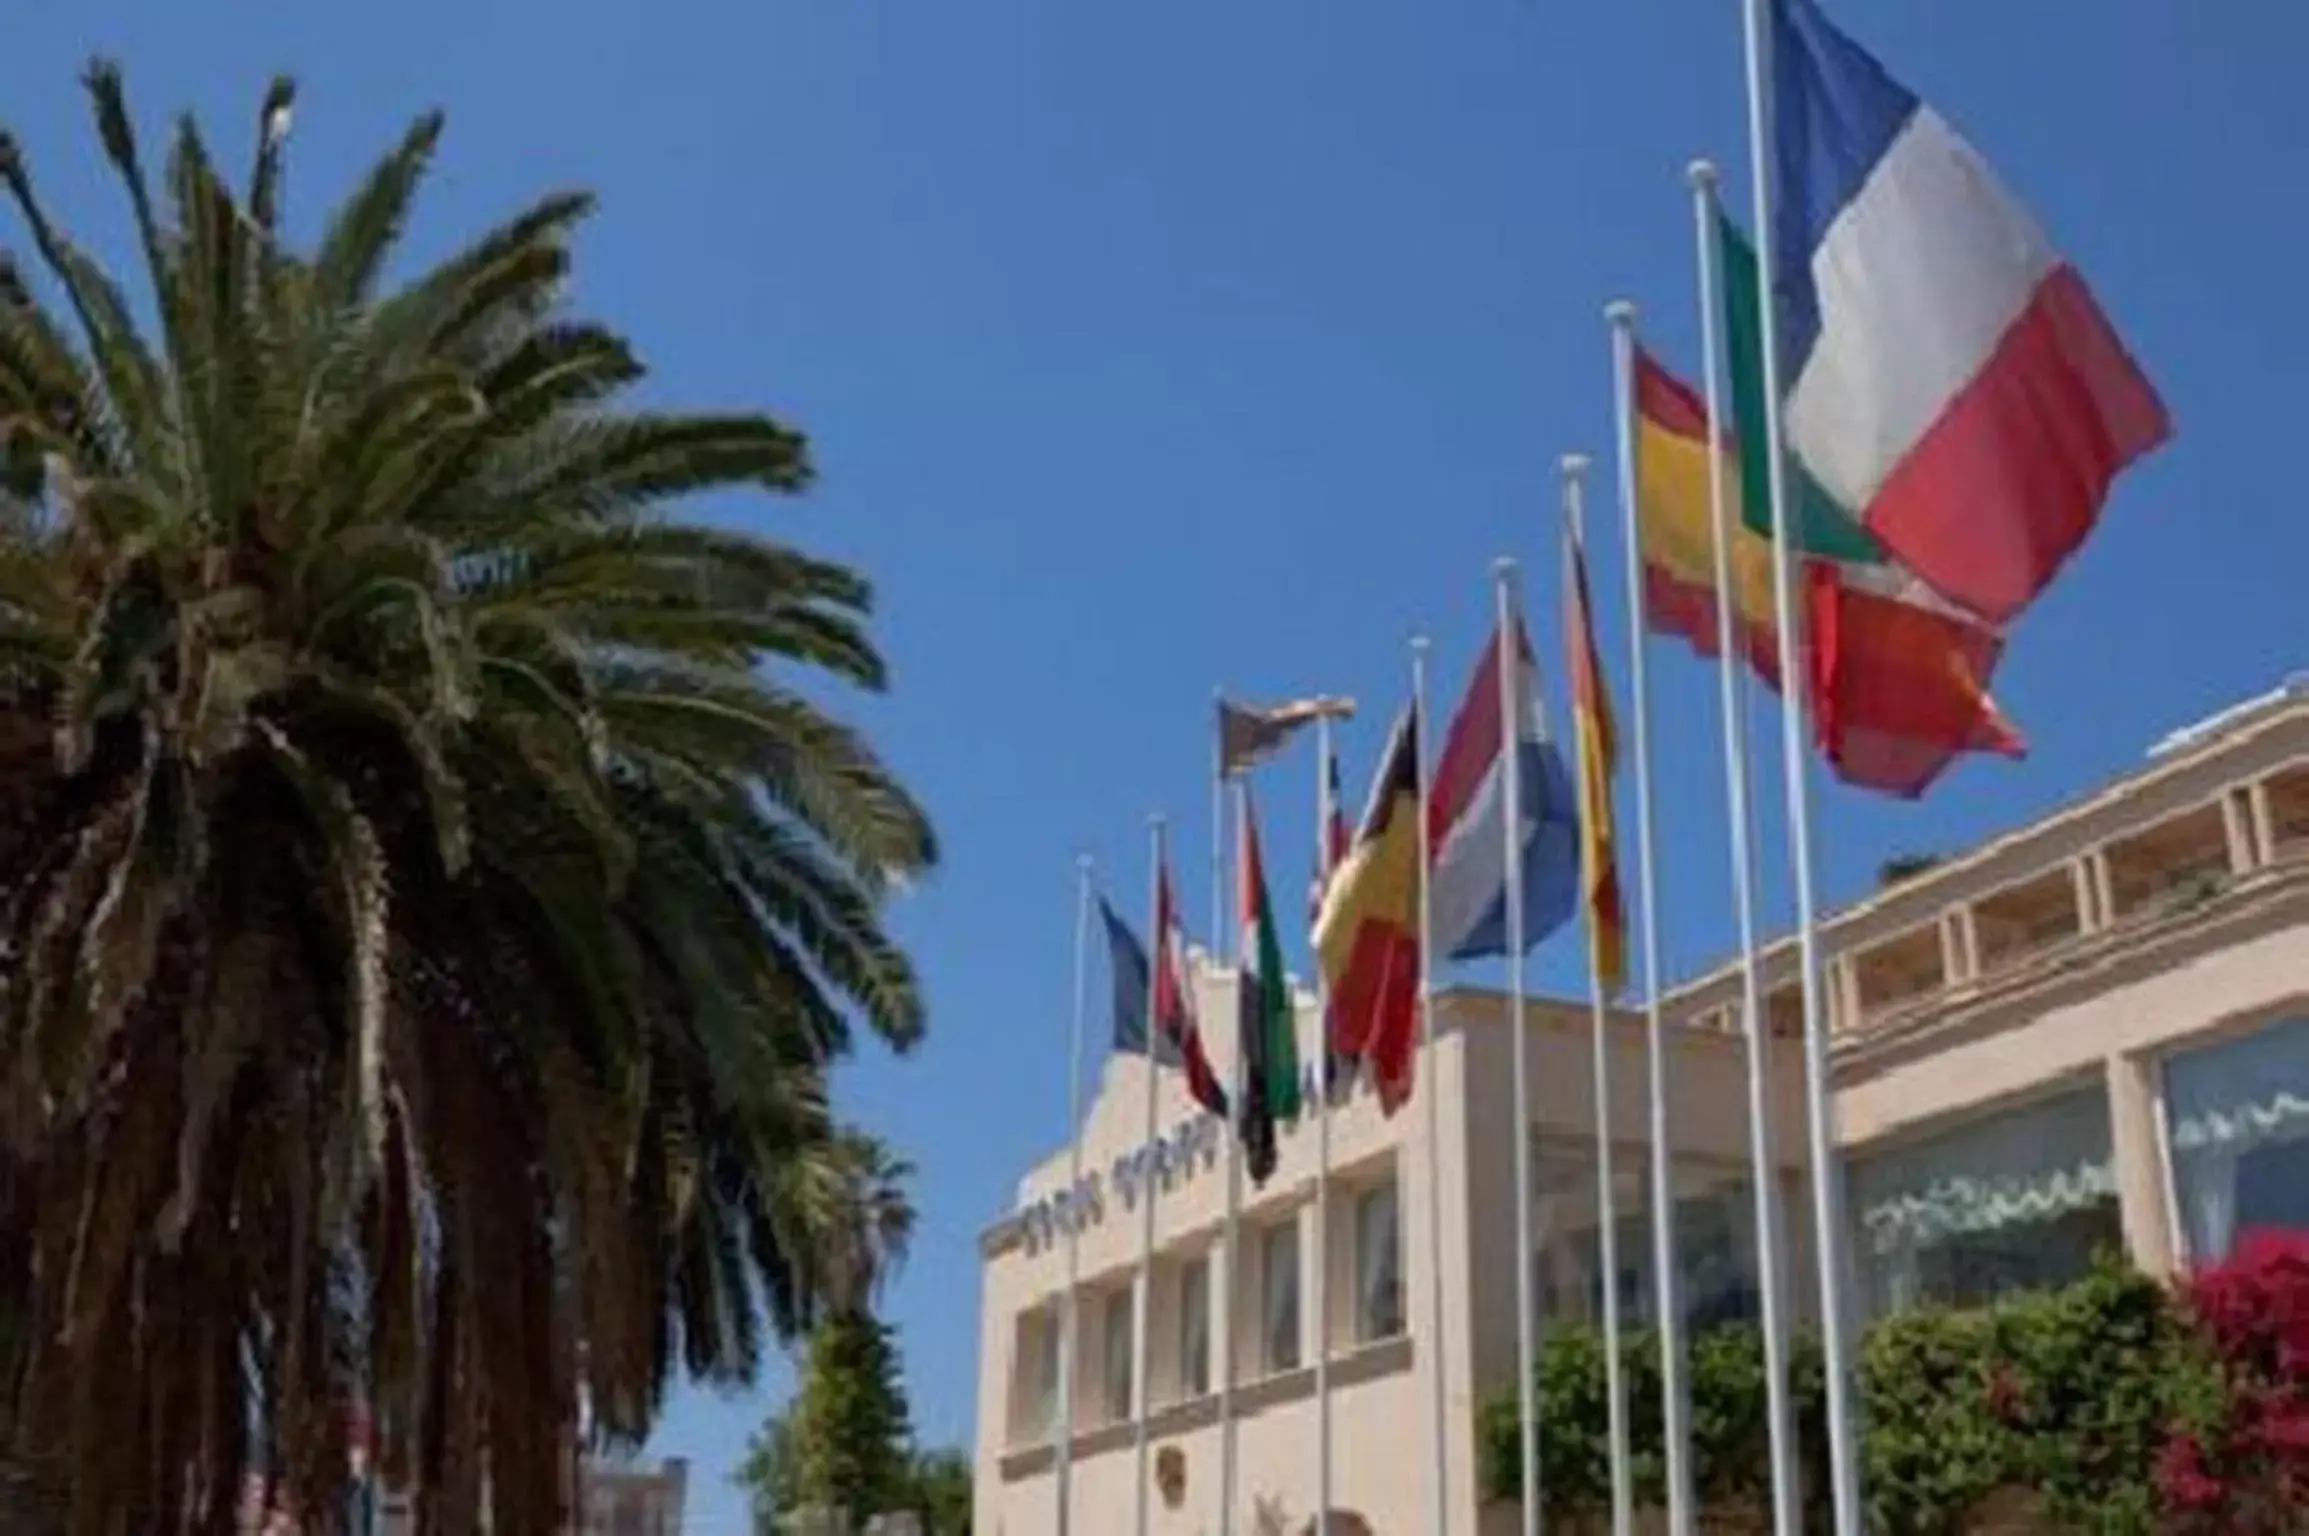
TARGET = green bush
(2067,1393)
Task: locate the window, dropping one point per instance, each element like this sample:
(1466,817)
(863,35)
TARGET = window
(2022,1199)
(1716,1254)
(1279,1312)
(1195,1327)
(1378,1265)
(1115,1321)
(2237,1116)
(1037,1356)
(1568,1263)
(1714,1232)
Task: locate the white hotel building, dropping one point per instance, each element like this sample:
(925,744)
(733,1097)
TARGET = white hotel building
(2090,1032)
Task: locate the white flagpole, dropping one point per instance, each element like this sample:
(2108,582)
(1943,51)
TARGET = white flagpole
(1322,1287)
(1830,1237)
(1228,1248)
(1071,1306)
(1218,830)
(1231,1242)
(1667,1276)
(1511,705)
(1439,1419)
(1621,1455)
(1149,1181)
(1763,1136)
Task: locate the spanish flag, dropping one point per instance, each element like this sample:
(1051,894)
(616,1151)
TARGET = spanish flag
(1596,751)
(1672,519)
(1367,933)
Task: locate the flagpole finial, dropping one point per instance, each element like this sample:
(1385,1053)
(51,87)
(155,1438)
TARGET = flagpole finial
(1418,643)
(1503,566)
(1082,865)
(1156,821)
(1701,174)
(1620,312)
(1575,466)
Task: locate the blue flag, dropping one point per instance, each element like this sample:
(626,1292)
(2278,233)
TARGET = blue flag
(1132,979)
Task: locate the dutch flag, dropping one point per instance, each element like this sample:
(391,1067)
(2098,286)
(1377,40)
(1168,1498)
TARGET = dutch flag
(1467,883)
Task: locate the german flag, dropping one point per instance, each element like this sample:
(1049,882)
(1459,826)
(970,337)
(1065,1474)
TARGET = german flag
(1367,934)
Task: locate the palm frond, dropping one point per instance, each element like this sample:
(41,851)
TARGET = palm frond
(429,912)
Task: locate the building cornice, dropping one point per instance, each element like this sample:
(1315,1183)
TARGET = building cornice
(2137,797)
(2269,900)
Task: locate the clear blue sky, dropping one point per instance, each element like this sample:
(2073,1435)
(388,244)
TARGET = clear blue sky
(1148,348)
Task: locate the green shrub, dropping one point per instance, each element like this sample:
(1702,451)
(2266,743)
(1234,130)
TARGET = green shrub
(2067,1393)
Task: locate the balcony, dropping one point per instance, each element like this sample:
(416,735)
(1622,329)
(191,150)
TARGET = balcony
(2170,867)
(2288,823)
(2025,922)
(2187,840)
(1898,976)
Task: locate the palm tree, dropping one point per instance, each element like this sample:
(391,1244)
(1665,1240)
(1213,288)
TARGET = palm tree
(429,903)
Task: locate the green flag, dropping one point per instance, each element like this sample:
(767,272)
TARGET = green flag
(1268,1043)
(1821,526)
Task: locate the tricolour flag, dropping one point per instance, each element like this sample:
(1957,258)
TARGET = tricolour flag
(1596,745)
(1899,674)
(1367,933)
(1953,385)
(1466,807)
(1267,1040)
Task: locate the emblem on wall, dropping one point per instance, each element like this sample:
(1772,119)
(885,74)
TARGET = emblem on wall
(1170,1474)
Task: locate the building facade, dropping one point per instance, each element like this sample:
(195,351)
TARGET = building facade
(626,1498)
(2088,1034)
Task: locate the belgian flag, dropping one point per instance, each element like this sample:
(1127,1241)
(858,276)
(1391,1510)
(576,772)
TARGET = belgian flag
(1367,934)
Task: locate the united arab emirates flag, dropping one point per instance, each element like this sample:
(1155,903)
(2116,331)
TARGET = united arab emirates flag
(1267,1045)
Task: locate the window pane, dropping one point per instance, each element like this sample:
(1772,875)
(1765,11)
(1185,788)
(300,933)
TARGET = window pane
(1378,1265)
(1195,1328)
(1118,1356)
(2239,1119)
(1716,1254)
(2019,1200)
(1038,1346)
(1279,1274)
(1714,1232)
(1632,1253)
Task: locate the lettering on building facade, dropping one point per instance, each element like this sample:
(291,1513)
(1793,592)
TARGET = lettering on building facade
(1190,1147)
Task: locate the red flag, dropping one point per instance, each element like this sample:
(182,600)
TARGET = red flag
(1899,679)
(1174,999)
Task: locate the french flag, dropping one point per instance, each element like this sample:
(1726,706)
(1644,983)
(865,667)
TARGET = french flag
(1952,381)
(1467,831)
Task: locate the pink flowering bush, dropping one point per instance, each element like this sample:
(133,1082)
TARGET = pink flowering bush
(2238,1464)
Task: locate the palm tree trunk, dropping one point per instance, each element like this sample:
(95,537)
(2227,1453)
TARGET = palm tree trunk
(29,1504)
